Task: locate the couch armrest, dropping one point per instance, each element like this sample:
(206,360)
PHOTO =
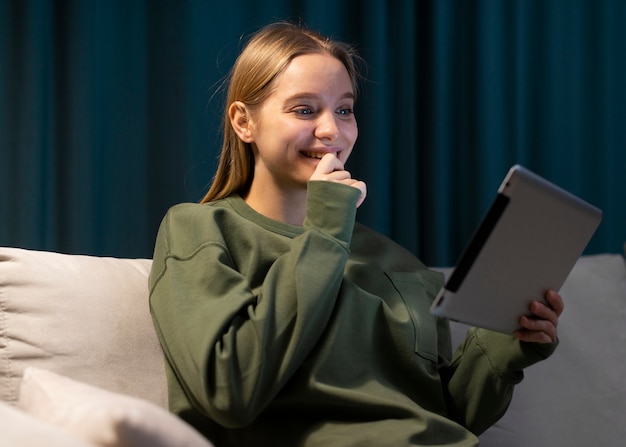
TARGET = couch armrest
(84,317)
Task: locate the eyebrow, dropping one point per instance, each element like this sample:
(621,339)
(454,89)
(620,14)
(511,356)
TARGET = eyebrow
(305,95)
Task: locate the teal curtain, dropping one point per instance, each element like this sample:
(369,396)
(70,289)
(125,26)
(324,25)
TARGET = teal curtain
(110,111)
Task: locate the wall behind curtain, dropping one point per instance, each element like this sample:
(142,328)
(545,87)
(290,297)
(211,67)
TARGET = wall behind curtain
(110,111)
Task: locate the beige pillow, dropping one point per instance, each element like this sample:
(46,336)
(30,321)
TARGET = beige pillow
(84,317)
(18,429)
(102,417)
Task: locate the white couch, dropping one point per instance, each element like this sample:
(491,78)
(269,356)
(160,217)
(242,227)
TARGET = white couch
(80,364)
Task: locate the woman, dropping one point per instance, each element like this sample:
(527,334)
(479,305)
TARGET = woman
(284,322)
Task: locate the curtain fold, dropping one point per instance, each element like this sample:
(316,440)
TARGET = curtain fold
(110,112)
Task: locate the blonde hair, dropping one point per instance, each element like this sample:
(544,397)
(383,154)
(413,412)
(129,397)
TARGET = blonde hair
(251,80)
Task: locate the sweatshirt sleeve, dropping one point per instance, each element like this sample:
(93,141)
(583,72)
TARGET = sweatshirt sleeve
(483,372)
(231,347)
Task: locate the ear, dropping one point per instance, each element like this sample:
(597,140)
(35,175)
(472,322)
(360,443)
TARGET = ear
(240,120)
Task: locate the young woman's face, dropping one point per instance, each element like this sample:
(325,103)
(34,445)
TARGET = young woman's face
(308,114)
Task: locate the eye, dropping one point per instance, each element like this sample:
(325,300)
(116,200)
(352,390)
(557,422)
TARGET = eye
(345,112)
(303,111)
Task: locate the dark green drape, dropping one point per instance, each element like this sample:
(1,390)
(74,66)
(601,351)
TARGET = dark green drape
(110,111)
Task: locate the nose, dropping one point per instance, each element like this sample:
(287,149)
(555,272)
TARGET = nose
(327,128)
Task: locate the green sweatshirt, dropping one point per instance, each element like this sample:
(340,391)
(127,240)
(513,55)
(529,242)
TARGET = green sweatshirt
(278,335)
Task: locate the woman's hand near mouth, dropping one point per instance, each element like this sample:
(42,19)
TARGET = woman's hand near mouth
(331,169)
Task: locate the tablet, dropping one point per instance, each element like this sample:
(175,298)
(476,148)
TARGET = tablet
(528,242)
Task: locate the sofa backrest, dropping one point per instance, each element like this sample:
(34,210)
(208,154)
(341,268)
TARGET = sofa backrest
(87,318)
(83,317)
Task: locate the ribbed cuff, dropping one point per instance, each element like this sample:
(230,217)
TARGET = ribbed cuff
(331,208)
(509,356)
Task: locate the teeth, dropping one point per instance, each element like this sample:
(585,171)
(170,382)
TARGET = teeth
(317,155)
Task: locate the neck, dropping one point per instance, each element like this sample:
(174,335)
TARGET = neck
(277,204)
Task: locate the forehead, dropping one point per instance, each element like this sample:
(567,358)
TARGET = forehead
(314,73)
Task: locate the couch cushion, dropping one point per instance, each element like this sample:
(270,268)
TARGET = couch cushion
(84,317)
(102,417)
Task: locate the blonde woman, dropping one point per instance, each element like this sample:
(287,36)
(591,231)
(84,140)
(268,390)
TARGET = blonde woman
(286,323)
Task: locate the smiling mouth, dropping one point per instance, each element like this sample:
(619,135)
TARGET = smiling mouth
(316,155)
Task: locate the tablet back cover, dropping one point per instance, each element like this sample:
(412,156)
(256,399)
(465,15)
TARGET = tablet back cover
(528,242)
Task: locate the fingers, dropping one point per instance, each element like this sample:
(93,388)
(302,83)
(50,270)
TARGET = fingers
(536,330)
(331,169)
(555,301)
(541,325)
(361,187)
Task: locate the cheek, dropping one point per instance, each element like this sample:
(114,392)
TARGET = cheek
(351,130)
(351,135)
